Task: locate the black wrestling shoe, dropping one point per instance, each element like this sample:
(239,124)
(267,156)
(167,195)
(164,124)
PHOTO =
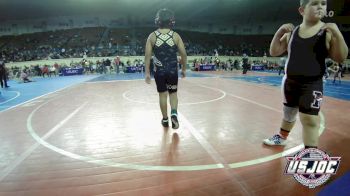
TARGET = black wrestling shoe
(174,121)
(165,122)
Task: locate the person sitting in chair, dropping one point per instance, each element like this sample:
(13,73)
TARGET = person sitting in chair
(24,76)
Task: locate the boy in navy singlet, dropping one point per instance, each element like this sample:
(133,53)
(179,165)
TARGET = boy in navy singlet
(165,43)
(307,45)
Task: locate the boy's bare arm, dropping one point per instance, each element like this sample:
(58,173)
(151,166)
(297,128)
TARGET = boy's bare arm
(148,55)
(338,50)
(279,42)
(182,52)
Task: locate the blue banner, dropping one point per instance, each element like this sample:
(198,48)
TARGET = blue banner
(134,69)
(258,67)
(207,68)
(72,71)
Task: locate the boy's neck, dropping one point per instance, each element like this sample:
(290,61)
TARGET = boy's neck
(309,24)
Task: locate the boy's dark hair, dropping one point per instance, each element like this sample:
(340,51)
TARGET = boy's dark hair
(303,2)
(165,18)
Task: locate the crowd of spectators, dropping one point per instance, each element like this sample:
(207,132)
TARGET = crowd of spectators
(103,42)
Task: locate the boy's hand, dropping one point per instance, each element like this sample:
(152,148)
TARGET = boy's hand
(148,79)
(286,28)
(183,74)
(331,28)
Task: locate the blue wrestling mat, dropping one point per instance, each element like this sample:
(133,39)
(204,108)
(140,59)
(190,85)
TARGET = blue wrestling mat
(339,91)
(19,93)
(340,186)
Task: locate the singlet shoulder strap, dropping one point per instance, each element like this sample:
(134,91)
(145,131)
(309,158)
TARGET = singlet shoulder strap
(293,33)
(171,33)
(157,33)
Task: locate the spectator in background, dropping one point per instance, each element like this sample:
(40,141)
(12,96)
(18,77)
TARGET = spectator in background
(52,70)
(117,64)
(45,70)
(264,61)
(236,64)
(336,70)
(245,65)
(57,68)
(282,65)
(328,63)
(24,76)
(108,65)
(342,69)
(3,75)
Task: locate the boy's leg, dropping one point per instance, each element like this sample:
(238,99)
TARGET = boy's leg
(172,82)
(173,105)
(289,118)
(163,100)
(163,104)
(163,96)
(311,126)
(310,104)
(173,101)
(290,110)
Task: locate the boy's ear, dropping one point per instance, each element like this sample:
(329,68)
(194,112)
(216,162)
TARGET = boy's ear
(301,10)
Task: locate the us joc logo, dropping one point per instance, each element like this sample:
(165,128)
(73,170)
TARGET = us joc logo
(311,167)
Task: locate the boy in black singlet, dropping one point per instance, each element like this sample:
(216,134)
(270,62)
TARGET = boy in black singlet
(165,43)
(307,45)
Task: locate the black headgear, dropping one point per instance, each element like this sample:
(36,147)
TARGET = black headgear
(165,18)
